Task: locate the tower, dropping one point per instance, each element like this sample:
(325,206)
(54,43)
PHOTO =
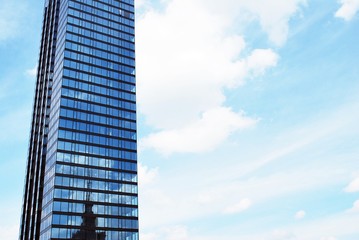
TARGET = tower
(81,172)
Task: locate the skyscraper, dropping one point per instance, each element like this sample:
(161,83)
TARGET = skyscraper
(81,173)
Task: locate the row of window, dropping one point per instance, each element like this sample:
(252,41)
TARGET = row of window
(114,40)
(97,209)
(100,80)
(117,223)
(96,173)
(93,22)
(100,53)
(108,12)
(115,93)
(113,132)
(96,162)
(91,117)
(98,99)
(95,185)
(97,70)
(110,5)
(65,233)
(94,60)
(97,119)
(69,220)
(101,151)
(95,139)
(86,161)
(101,22)
(94,43)
(116,3)
(66,220)
(79,208)
(94,108)
(95,196)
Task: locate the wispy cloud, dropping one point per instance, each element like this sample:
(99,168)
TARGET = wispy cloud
(239,207)
(243,179)
(10,209)
(329,227)
(32,72)
(348,9)
(300,214)
(353,186)
(205,134)
(183,72)
(176,232)
(11,13)
(328,238)
(355,208)
(273,16)
(146,175)
(283,235)
(9,232)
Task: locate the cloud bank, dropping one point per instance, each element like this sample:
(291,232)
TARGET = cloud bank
(348,9)
(188,55)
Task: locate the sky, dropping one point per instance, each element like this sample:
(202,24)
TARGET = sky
(248,116)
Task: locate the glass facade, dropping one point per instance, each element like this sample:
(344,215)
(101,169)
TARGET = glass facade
(81,179)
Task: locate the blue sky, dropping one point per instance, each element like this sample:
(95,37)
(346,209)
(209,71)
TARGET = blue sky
(248,117)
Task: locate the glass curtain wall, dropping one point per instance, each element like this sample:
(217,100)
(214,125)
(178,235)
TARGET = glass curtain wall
(89,168)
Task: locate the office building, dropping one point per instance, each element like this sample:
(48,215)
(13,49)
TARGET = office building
(81,173)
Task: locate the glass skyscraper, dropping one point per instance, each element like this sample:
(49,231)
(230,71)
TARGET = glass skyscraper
(81,173)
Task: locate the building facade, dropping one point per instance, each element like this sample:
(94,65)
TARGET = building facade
(81,173)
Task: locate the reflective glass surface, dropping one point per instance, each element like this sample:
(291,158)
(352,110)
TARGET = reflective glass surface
(90,180)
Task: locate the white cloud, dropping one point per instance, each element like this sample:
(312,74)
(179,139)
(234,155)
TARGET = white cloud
(353,186)
(181,70)
(283,235)
(338,225)
(260,59)
(139,3)
(239,207)
(9,212)
(328,238)
(355,207)
(273,16)
(211,129)
(9,232)
(186,59)
(177,94)
(225,179)
(348,9)
(332,227)
(177,232)
(146,175)
(300,214)
(148,236)
(32,72)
